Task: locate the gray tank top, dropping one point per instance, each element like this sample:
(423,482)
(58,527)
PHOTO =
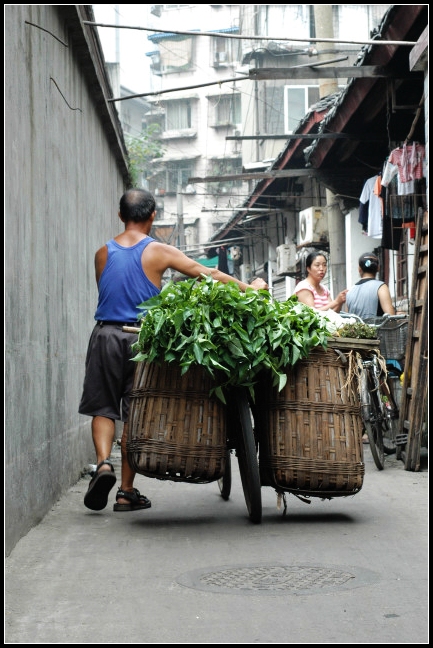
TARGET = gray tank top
(362,299)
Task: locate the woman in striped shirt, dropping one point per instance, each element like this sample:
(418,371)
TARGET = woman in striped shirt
(312,292)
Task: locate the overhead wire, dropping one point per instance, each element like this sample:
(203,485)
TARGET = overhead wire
(216,34)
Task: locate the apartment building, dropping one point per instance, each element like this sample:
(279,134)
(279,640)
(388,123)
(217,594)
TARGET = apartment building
(219,127)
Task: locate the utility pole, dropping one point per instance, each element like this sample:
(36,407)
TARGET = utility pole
(180,228)
(336,220)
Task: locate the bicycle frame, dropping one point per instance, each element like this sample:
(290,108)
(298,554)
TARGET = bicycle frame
(373,410)
(379,409)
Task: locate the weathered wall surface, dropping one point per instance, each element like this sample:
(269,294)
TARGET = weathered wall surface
(65,172)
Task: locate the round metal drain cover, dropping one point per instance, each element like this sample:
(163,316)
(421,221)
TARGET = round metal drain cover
(276,579)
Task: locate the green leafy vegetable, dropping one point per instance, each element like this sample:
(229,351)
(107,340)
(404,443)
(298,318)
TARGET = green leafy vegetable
(233,334)
(358,330)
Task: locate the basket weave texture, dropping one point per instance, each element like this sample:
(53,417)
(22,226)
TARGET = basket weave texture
(313,429)
(176,431)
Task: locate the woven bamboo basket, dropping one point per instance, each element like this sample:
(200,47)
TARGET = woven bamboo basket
(176,431)
(312,441)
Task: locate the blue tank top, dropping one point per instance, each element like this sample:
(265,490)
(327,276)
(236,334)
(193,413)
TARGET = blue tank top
(123,284)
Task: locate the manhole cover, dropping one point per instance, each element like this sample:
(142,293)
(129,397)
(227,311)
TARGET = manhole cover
(276,579)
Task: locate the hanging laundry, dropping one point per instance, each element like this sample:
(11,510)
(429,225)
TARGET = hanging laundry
(222,260)
(408,161)
(363,216)
(389,173)
(372,202)
(377,190)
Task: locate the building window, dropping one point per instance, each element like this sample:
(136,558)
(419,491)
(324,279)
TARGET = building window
(155,116)
(221,52)
(225,110)
(297,100)
(353,22)
(175,54)
(221,167)
(228,111)
(290,20)
(168,179)
(178,114)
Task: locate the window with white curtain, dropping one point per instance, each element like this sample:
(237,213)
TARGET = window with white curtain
(228,110)
(178,114)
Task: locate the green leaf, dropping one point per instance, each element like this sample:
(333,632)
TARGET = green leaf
(235,335)
(282,381)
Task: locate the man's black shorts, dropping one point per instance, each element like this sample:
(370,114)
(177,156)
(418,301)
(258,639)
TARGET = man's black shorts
(109,372)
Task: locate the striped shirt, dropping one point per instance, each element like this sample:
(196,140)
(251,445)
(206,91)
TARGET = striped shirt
(319,300)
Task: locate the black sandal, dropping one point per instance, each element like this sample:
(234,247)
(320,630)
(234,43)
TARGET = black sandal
(100,485)
(137,501)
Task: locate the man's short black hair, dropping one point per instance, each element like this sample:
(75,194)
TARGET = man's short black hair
(136,205)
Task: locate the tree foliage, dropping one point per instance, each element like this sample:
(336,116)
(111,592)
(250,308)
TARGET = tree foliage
(142,151)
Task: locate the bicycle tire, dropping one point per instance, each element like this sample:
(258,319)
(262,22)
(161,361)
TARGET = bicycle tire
(372,418)
(246,453)
(390,435)
(389,446)
(389,431)
(225,482)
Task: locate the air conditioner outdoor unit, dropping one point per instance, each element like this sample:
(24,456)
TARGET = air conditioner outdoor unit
(312,226)
(286,259)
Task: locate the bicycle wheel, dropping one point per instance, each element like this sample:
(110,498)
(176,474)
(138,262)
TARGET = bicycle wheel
(389,446)
(371,412)
(246,453)
(390,435)
(225,482)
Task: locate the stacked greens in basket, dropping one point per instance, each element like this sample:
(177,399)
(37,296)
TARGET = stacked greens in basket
(233,334)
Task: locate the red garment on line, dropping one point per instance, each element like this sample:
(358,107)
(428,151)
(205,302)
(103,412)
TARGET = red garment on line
(409,161)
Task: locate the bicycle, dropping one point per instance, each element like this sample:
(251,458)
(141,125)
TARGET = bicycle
(379,410)
(392,334)
(241,440)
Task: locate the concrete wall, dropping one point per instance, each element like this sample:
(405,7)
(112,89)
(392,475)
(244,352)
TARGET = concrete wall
(65,170)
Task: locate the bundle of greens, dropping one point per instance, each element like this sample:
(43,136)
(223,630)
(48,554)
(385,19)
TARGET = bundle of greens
(358,330)
(233,334)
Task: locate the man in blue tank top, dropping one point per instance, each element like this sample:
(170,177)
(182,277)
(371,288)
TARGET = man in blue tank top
(129,270)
